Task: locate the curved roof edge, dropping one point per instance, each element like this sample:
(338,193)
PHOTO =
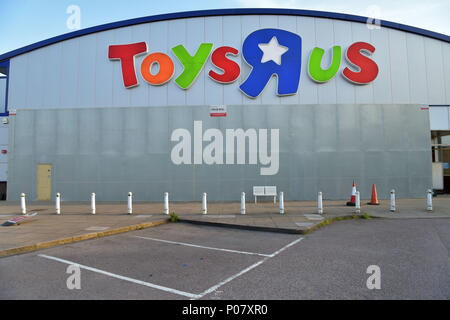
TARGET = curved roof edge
(220,12)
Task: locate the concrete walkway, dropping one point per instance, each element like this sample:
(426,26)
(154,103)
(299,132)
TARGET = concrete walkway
(76,223)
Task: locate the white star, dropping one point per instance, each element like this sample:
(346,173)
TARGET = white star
(272,51)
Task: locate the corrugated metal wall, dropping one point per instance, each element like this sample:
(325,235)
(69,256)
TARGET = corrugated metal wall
(112,151)
(77,72)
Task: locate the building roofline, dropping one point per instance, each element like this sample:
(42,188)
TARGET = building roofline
(220,12)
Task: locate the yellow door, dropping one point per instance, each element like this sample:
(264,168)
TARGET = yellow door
(44,182)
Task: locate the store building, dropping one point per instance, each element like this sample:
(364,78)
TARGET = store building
(220,101)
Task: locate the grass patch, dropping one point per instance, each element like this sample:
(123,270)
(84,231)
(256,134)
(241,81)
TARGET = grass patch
(330,220)
(173,217)
(365,216)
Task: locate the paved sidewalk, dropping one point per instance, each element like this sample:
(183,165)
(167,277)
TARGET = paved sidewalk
(76,223)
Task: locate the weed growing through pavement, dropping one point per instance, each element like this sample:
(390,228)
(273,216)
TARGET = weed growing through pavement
(366,216)
(173,217)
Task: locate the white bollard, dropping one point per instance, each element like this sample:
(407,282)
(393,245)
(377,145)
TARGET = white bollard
(58,203)
(357,204)
(166,203)
(392,201)
(319,203)
(281,202)
(429,200)
(243,203)
(130,202)
(204,210)
(23,207)
(93,203)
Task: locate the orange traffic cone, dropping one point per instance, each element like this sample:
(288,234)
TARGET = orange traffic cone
(352,201)
(374,200)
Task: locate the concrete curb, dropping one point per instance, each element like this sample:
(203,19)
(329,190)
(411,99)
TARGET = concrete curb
(330,220)
(315,227)
(88,236)
(241,227)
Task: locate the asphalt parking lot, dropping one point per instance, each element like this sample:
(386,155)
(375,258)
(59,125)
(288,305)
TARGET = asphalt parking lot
(183,261)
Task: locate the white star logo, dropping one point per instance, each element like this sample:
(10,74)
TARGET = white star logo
(272,51)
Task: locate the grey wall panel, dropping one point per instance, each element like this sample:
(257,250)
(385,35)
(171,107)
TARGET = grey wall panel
(2,93)
(446,70)
(435,76)
(35,84)
(118,150)
(70,72)
(86,71)
(382,85)
(417,69)
(399,66)
(53,77)
(104,70)
(67,126)
(18,74)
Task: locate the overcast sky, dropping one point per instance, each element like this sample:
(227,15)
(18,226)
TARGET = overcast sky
(24,22)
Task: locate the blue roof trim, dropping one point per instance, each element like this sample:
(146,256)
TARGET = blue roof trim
(221,12)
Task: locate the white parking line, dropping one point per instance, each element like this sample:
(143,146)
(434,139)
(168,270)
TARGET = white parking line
(217,286)
(147,284)
(175,291)
(203,247)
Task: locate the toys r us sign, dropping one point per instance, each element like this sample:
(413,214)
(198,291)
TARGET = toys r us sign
(268,52)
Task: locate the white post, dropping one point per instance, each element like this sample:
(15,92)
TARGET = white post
(430,200)
(243,203)
(166,203)
(93,203)
(130,203)
(392,200)
(357,204)
(23,207)
(281,202)
(319,203)
(204,210)
(58,203)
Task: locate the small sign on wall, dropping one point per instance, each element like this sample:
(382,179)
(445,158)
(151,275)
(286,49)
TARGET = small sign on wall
(218,111)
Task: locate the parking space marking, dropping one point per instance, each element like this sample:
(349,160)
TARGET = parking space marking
(203,247)
(219,216)
(192,296)
(314,216)
(217,286)
(147,284)
(96,228)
